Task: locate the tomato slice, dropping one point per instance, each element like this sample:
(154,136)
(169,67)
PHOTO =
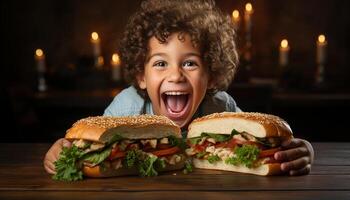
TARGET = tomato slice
(165,152)
(233,143)
(116,153)
(229,144)
(269,152)
(221,144)
(163,146)
(202,147)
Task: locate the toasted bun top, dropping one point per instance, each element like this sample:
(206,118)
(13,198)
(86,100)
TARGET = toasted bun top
(256,124)
(103,128)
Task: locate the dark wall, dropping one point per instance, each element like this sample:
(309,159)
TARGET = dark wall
(62,29)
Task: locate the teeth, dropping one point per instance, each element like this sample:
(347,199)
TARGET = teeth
(175,93)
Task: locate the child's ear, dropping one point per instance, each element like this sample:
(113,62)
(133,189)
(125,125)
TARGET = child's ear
(141,80)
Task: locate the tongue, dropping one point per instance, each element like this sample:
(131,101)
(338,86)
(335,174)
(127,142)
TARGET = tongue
(176,103)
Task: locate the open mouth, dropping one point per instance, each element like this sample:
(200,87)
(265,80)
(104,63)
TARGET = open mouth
(176,103)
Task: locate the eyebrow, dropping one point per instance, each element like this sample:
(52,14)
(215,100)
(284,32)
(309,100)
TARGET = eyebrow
(164,54)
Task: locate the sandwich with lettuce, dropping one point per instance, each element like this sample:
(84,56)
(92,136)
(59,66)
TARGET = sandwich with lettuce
(239,142)
(117,146)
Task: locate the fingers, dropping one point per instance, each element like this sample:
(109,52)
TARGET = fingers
(291,154)
(303,171)
(49,160)
(296,157)
(49,167)
(310,150)
(296,165)
(53,154)
(57,147)
(66,143)
(292,143)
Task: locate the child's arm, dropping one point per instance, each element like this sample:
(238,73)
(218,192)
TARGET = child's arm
(53,153)
(297,157)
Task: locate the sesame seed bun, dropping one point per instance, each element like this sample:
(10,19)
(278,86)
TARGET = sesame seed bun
(257,124)
(103,128)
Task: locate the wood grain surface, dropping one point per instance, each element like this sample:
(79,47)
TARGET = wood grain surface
(22,176)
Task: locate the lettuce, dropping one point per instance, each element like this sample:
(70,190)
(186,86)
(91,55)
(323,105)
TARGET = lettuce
(132,158)
(149,165)
(195,140)
(145,163)
(114,139)
(245,155)
(188,166)
(67,167)
(97,157)
(216,137)
(201,154)
(213,158)
(174,141)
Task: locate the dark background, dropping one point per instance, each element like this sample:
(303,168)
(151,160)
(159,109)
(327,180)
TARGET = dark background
(62,29)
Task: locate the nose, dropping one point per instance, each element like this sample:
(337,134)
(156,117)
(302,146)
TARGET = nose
(176,74)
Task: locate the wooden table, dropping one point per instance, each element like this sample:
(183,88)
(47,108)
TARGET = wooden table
(22,176)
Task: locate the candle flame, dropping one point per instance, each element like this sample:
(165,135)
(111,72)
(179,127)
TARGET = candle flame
(284,43)
(322,38)
(94,36)
(115,58)
(248,7)
(235,14)
(100,61)
(39,52)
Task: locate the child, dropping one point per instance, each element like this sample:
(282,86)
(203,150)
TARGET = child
(180,56)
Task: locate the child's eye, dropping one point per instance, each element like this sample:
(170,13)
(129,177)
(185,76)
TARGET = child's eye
(160,64)
(189,63)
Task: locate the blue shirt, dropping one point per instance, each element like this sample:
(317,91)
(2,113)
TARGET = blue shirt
(129,102)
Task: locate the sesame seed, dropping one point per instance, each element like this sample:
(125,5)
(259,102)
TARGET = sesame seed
(136,120)
(259,117)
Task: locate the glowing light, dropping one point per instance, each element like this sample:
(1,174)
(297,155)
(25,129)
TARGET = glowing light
(321,38)
(284,43)
(235,14)
(94,36)
(39,52)
(100,61)
(248,7)
(115,58)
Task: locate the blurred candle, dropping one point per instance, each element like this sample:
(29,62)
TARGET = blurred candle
(284,51)
(40,60)
(320,58)
(96,48)
(248,17)
(321,50)
(100,61)
(95,41)
(236,19)
(41,68)
(116,70)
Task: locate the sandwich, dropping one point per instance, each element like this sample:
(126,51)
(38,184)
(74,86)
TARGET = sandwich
(239,142)
(117,146)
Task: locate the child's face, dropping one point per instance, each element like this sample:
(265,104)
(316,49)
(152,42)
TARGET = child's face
(175,78)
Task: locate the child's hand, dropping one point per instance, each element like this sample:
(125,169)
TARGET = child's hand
(296,157)
(53,153)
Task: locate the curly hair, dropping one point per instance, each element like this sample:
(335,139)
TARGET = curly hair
(208,28)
